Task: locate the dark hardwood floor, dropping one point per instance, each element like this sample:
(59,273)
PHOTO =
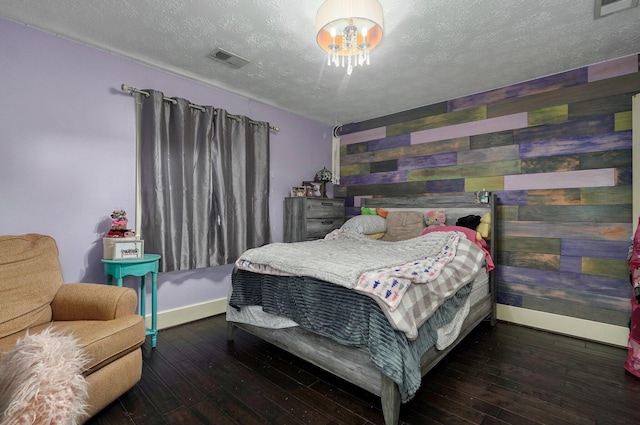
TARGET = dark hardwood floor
(503,375)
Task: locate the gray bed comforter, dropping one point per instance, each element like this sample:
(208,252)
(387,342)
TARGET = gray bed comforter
(342,261)
(347,317)
(343,258)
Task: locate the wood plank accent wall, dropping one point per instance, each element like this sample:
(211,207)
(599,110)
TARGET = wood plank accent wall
(557,153)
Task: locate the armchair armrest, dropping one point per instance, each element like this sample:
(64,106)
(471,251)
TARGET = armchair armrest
(91,301)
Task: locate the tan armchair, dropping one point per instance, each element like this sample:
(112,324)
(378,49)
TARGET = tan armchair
(33,297)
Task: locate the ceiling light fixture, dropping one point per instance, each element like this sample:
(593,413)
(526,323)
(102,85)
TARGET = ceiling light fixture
(348,30)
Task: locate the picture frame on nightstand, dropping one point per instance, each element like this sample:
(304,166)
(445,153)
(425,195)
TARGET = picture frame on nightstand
(314,189)
(298,191)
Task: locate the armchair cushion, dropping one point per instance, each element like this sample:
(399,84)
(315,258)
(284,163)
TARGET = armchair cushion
(102,341)
(89,301)
(31,276)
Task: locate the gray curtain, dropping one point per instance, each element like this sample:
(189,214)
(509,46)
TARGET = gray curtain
(204,183)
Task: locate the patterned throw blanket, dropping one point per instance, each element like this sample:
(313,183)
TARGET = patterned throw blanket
(390,284)
(346,258)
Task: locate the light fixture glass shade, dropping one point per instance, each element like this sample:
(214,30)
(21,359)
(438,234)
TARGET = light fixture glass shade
(348,30)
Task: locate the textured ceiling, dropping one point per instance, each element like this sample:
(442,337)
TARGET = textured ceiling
(433,50)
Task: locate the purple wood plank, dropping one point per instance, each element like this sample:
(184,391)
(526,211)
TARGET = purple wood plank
(351,211)
(509,299)
(390,142)
(561,180)
(445,186)
(490,125)
(564,281)
(594,248)
(512,197)
(540,85)
(428,161)
(599,143)
(571,264)
(376,178)
(613,68)
(348,200)
(363,136)
(565,130)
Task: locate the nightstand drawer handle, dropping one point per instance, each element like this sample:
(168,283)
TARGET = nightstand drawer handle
(327,204)
(327,222)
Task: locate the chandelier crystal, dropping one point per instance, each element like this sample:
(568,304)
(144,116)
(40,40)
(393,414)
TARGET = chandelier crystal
(348,30)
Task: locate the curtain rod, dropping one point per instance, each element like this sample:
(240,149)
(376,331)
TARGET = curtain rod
(133,90)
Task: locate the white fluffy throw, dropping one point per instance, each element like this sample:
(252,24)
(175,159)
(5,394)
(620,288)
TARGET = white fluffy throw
(41,381)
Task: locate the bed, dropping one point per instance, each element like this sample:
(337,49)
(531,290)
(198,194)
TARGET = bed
(356,334)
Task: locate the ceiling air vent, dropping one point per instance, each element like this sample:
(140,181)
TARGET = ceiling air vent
(604,8)
(226,57)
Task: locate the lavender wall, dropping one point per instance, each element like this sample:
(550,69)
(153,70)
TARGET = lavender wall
(67,157)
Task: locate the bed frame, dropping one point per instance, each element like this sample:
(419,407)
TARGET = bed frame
(353,364)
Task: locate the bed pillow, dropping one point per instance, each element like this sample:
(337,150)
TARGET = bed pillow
(368,211)
(382,212)
(403,225)
(366,224)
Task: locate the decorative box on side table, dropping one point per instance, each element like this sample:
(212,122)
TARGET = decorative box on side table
(306,219)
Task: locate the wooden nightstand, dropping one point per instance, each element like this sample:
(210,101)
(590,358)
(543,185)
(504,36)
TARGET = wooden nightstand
(306,219)
(138,267)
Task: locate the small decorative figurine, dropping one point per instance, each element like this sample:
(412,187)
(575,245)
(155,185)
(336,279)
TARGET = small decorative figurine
(119,222)
(317,189)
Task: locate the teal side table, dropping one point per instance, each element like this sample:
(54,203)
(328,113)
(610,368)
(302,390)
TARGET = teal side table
(138,267)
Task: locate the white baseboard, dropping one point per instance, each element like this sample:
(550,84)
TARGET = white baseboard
(579,328)
(190,313)
(572,326)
